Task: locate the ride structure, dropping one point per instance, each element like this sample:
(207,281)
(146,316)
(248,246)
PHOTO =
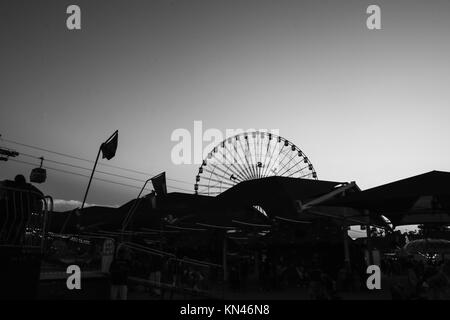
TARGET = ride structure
(248,156)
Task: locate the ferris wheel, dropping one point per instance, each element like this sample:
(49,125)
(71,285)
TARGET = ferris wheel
(249,156)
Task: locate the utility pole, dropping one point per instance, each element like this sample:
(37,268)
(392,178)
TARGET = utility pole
(5,154)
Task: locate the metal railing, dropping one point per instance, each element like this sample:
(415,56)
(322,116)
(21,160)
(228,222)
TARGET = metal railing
(23,217)
(171,277)
(23,226)
(92,253)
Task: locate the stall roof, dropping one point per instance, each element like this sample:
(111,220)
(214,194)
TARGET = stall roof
(424,198)
(278,196)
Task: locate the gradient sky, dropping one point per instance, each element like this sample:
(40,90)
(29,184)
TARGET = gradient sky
(369,106)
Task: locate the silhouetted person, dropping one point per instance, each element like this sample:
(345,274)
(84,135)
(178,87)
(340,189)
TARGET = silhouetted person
(316,290)
(119,270)
(234,278)
(439,283)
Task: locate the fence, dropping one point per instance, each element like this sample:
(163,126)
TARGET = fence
(171,277)
(23,216)
(90,252)
(23,221)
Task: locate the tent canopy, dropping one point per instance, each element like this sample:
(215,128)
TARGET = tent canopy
(424,198)
(277,195)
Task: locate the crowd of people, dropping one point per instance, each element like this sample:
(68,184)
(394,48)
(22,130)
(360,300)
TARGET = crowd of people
(278,273)
(404,278)
(165,275)
(418,279)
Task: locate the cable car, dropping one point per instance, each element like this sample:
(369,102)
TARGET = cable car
(38,175)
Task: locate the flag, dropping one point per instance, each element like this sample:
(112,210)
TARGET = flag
(110,146)
(159,183)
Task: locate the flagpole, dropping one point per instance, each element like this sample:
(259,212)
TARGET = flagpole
(104,144)
(130,212)
(92,175)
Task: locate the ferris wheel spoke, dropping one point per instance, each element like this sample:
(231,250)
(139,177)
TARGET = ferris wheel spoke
(238,173)
(211,193)
(208,187)
(255,147)
(218,175)
(292,167)
(253,158)
(248,153)
(266,171)
(285,155)
(308,174)
(228,168)
(276,159)
(241,160)
(208,193)
(204,190)
(288,162)
(260,160)
(203,185)
(219,186)
(224,174)
(258,147)
(240,170)
(221,182)
(234,152)
(299,170)
(265,158)
(246,160)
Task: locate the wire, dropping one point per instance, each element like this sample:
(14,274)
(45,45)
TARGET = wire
(94,178)
(79,167)
(86,160)
(75,173)
(89,169)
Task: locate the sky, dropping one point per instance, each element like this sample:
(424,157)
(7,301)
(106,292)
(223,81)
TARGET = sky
(370,106)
